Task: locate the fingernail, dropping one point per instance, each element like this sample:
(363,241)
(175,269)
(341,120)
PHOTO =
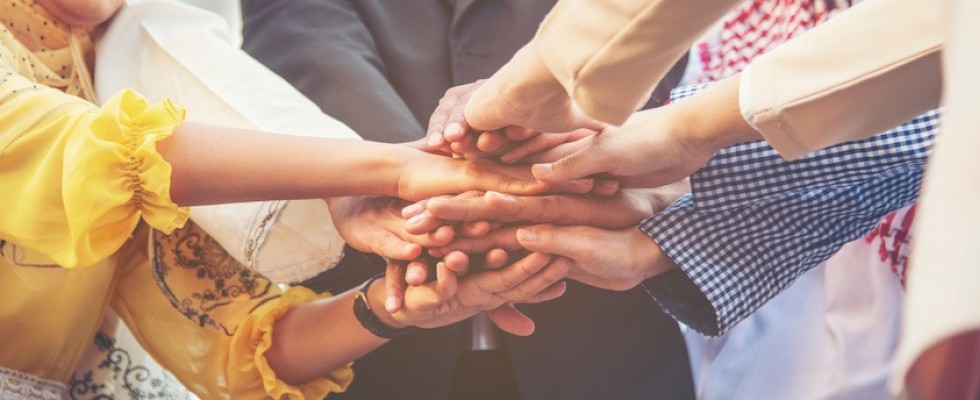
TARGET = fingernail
(454,129)
(391,304)
(412,210)
(435,140)
(526,236)
(581,182)
(416,219)
(542,169)
(408,248)
(501,197)
(413,275)
(436,201)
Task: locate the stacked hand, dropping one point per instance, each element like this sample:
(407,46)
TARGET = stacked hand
(559,196)
(596,235)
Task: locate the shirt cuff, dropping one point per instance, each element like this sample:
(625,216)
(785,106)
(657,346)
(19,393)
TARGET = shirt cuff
(677,294)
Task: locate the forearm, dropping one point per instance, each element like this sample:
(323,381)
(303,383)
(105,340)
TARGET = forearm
(818,203)
(711,119)
(321,336)
(221,165)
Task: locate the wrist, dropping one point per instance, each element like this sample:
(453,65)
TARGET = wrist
(711,120)
(526,77)
(370,313)
(651,259)
(375,298)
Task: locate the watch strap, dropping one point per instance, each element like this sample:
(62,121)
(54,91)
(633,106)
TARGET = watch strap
(370,321)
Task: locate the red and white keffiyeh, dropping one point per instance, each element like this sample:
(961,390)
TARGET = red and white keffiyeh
(754,28)
(758,26)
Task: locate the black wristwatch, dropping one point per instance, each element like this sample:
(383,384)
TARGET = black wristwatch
(371,322)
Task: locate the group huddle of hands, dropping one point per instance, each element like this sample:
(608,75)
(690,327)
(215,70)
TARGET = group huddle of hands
(492,215)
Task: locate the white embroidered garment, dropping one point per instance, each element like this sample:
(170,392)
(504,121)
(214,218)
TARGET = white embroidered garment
(832,335)
(16,385)
(177,51)
(116,367)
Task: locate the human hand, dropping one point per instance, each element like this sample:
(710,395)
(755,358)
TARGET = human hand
(524,93)
(476,210)
(614,259)
(604,258)
(651,149)
(448,132)
(375,224)
(424,175)
(448,299)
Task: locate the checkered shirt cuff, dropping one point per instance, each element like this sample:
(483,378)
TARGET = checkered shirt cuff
(754,222)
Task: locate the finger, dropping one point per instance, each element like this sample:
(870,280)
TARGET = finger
(546,143)
(535,145)
(417,273)
(552,292)
(423,223)
(501,280)
(388,245)
(518,134)
(434,134)
(394,287)
(476,229)
(456,125)
(558,152)
(583,163)
(414,209)
(466,210)
(509,319)
(496,258)
(446,282)
(451,121)
(572,242)
(466,146)
(605,187)
(554,272)
(584,122)
(540,209)
(457,262)
(503,238)
(490,142)
(582,185)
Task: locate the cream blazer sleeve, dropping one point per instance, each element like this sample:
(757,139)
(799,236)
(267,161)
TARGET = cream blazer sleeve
(610,55)
(872,68)
(944,277)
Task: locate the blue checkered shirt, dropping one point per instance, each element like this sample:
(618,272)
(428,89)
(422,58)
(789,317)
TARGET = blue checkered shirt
(754,222)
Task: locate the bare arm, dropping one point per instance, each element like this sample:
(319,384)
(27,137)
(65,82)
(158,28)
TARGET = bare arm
(219,165)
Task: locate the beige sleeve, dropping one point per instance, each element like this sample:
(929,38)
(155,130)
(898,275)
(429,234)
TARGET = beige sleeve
(610,55)
(943,276)
(866,71)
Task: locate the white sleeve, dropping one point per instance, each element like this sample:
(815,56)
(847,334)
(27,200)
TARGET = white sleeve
(169,49)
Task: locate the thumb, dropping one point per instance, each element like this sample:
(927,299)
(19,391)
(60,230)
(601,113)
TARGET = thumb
(558,240)
(511,320)
(580,164)
(482,111)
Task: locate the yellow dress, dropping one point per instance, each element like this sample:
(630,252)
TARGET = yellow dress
(80,187)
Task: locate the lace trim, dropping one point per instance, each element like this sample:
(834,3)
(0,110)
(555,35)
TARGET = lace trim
(16,385)
(264,220)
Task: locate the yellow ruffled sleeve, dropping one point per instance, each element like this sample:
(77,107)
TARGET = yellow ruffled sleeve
(77,179)
(208,319)
(253,339)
